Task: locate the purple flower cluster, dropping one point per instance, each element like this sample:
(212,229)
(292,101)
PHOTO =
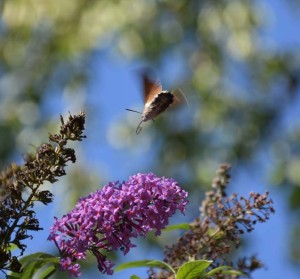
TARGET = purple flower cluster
(108,218)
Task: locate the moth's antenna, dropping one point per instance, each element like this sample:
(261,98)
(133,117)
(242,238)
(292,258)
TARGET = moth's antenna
(139,128)
(134,111)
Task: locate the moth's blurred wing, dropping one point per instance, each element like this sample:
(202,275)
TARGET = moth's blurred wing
(179,98)
(151,88)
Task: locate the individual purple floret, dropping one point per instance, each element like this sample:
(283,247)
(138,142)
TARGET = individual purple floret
(107,219)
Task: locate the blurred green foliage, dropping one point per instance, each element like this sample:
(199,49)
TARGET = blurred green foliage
(237,84)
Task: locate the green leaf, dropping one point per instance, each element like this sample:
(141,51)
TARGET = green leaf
(224,270)
(12,246)
(145,263)
(47,272)
(53,260)
(194,269)
(135,277)
(182,226)
(30,269)
(38,256)
(33,263)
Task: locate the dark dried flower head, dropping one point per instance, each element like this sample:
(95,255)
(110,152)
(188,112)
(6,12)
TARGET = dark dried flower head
(217,231)
(20,188)
(107,219)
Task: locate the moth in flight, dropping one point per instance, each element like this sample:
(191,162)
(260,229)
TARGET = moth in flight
(156,100)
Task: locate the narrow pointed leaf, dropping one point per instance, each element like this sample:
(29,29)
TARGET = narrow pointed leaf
(27,259)
(38,256)
(145,263)
(182,226)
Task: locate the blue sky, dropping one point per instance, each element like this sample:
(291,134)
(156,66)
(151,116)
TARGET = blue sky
(113,87)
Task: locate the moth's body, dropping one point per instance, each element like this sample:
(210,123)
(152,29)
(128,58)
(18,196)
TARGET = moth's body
(158,105)
(156,100)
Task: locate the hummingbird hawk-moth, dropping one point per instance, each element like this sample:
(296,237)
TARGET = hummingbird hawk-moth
(156,100)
